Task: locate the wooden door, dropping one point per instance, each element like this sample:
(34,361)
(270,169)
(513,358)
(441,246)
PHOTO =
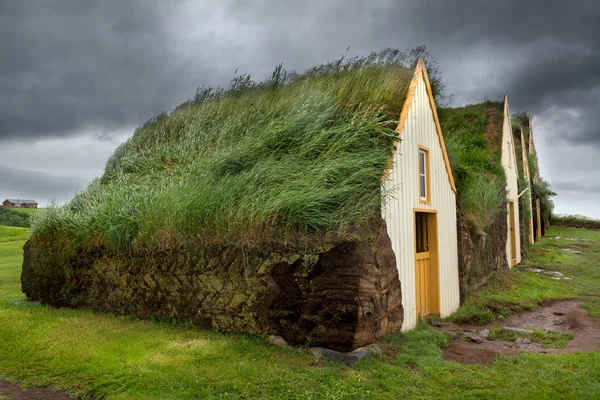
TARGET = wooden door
(512,234)
(426,272)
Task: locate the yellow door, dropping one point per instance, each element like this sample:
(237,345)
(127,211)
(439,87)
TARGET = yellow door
(512,234)
(422,277)
(426,267)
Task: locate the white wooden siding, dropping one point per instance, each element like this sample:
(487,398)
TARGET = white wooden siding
(398,211)
(509,163)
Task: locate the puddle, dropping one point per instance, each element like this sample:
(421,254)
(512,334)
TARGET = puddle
(553,274)
(573,239)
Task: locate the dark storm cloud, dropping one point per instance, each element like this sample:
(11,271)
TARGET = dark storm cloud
(69,66)
(534,48)
(543,54)
(105,66)
(581,188)
(100,65)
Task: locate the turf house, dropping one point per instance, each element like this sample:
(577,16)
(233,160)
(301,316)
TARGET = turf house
(474,136)
(541,191)
(536,191)
(525,203)
(511,170)
(421,213)
(302,206)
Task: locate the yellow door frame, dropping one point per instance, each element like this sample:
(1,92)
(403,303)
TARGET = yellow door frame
(433,286)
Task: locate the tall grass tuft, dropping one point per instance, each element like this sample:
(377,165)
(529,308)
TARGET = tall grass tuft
(482,198)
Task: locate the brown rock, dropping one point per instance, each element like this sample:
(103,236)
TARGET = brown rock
(472,337)
(278,340)
(349,358)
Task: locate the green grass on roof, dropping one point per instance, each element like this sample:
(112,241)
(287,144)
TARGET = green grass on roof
(473,136)
(297,153)
(520,121)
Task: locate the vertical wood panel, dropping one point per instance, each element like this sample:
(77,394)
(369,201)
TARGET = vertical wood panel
(399,209)
(511,172)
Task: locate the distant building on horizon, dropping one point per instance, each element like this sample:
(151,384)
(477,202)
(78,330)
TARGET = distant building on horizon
(19,203)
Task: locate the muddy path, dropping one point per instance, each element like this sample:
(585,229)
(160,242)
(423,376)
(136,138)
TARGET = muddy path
(552,316)
(16,392)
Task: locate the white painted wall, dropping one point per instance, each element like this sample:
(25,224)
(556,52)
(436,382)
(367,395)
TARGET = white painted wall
(509,163)
(398,211)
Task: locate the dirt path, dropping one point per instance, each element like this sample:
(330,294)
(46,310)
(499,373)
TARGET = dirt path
(554,316)
(16,392)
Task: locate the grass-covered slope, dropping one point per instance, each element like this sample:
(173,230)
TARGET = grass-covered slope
(473,136)
(292,154)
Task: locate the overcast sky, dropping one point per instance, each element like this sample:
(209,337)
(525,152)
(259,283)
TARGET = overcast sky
(77,77)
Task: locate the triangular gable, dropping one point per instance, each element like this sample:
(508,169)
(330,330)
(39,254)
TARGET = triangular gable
(507,120)
(421,71)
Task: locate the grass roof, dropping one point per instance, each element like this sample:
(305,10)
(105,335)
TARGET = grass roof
(520,121)
(473,136)
(296,153)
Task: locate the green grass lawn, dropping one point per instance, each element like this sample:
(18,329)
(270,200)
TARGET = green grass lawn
(13,233)
(86,353)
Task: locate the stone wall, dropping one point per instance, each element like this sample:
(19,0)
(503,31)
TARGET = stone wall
(480,252)
(340,294)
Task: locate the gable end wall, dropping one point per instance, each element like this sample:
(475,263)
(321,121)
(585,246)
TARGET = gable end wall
(509,163)
(398,210)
